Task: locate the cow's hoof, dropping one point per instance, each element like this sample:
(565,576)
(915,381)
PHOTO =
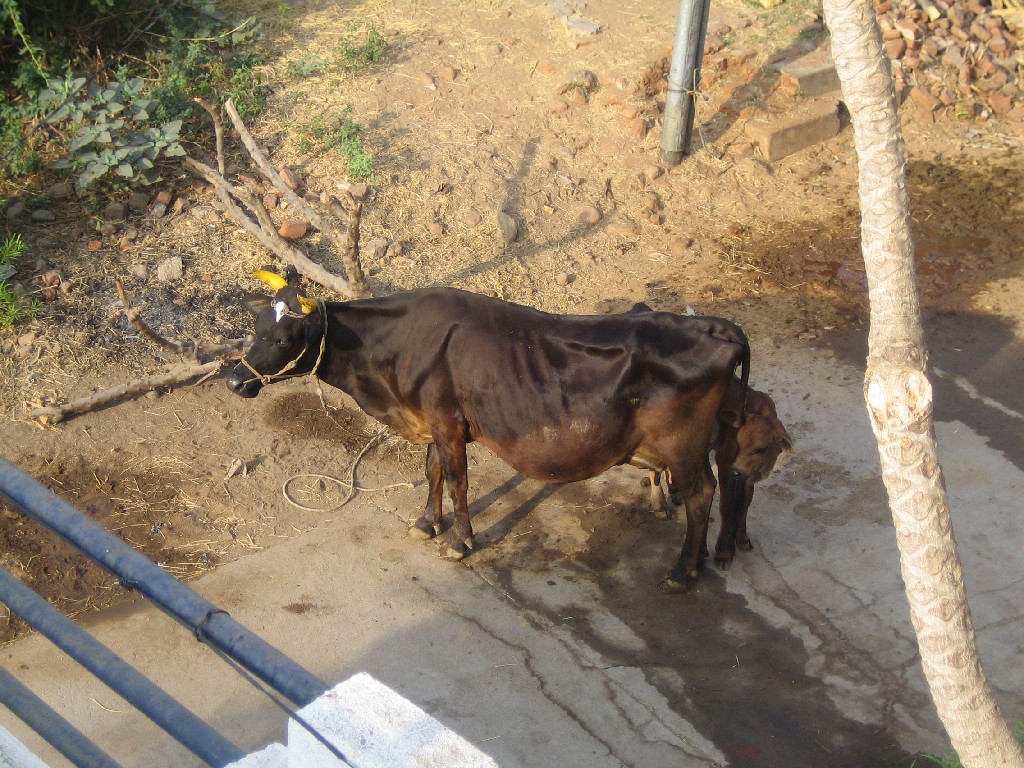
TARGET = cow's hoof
(423,529)
(746,545)
(724,561)
(455,552)
(670,586)
(663,514)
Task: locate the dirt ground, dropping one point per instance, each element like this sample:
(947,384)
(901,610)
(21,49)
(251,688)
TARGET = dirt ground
(468,115)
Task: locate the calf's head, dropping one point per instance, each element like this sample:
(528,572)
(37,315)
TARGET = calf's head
(289,335)
(760,442)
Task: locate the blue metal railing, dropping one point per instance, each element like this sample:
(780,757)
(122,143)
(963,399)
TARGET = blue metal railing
(209,624)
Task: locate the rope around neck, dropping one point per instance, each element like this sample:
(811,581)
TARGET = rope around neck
(266,379)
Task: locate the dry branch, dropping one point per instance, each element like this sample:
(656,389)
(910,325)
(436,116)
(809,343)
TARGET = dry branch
(345,241)
(176,375)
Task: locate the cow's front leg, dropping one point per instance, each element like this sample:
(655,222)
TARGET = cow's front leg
(698,494)
(742,539)
(731,507)
(452,453)
(430,524)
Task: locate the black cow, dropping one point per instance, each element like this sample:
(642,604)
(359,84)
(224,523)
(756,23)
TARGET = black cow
(559,397)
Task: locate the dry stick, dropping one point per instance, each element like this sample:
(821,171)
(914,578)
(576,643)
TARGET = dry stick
(57,413)
(218,130)
(134,315)
(188,348)
(268,237)
(350,256)
(327,227)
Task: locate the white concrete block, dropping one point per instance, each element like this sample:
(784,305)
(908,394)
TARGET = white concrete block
(375,727)
(271,756)
(14,754)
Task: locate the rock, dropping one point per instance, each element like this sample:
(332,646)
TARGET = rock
(375,249)
(157,211)
(138,201)
(427,81)
(435,228)
(59,191)
(109,228)
(16,210)
(42,216)
(51,278)
(170,269)
(579,80)
(638,128)
(472,220)
(94,245)
(449,74)
(509,227)
(396,250)
(358,191)
(924,99)
(140,272)
(559,106)
(292,229)
(271,200)
(624,228)
(546,68)
(590,215)
(680,246)
(116,211)
(563,279)
(291,179)
(651,172)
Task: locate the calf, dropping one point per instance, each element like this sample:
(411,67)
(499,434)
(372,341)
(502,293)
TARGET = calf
(558,397)
(744,456)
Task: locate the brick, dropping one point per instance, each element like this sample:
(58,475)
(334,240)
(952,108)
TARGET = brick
(811,75)
(815,122)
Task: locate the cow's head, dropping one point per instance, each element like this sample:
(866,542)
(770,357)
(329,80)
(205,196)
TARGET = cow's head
(760,442)
(289,335)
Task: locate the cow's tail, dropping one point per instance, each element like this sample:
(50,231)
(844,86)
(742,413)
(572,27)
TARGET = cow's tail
(735,335)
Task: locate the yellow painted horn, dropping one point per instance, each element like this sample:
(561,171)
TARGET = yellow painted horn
(272,279)
(308,305)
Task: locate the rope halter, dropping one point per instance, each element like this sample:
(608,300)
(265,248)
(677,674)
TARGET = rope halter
(283,311)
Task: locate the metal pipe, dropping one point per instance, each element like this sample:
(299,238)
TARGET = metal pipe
(684,79)
(209,624)
(119,675)
(49,724)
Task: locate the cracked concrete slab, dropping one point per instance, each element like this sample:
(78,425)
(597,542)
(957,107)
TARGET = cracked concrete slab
(551,644)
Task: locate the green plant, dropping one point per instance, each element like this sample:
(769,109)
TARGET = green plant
(10,250)
(352,55)
(111,133)
(305,66)
(343,134)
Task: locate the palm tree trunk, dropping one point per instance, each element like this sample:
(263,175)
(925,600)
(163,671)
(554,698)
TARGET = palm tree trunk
(899,400)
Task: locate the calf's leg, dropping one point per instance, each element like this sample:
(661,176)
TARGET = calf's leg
(430,523)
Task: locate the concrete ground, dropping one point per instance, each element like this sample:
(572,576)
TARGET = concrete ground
(552,646)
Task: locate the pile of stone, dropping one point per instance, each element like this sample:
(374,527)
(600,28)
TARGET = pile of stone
(957,54)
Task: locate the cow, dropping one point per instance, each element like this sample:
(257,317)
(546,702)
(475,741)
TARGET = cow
(560,398)
(743,457)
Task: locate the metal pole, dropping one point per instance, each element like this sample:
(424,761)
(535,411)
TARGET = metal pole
(684,79)
(209,624)
(119,675)
(57,731)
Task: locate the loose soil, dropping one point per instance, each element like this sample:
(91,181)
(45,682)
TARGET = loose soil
(472,113)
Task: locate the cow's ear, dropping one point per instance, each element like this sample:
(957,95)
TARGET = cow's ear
(786,443)
(730,417)
(255,302)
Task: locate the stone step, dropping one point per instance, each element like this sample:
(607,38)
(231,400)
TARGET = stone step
(809,122)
